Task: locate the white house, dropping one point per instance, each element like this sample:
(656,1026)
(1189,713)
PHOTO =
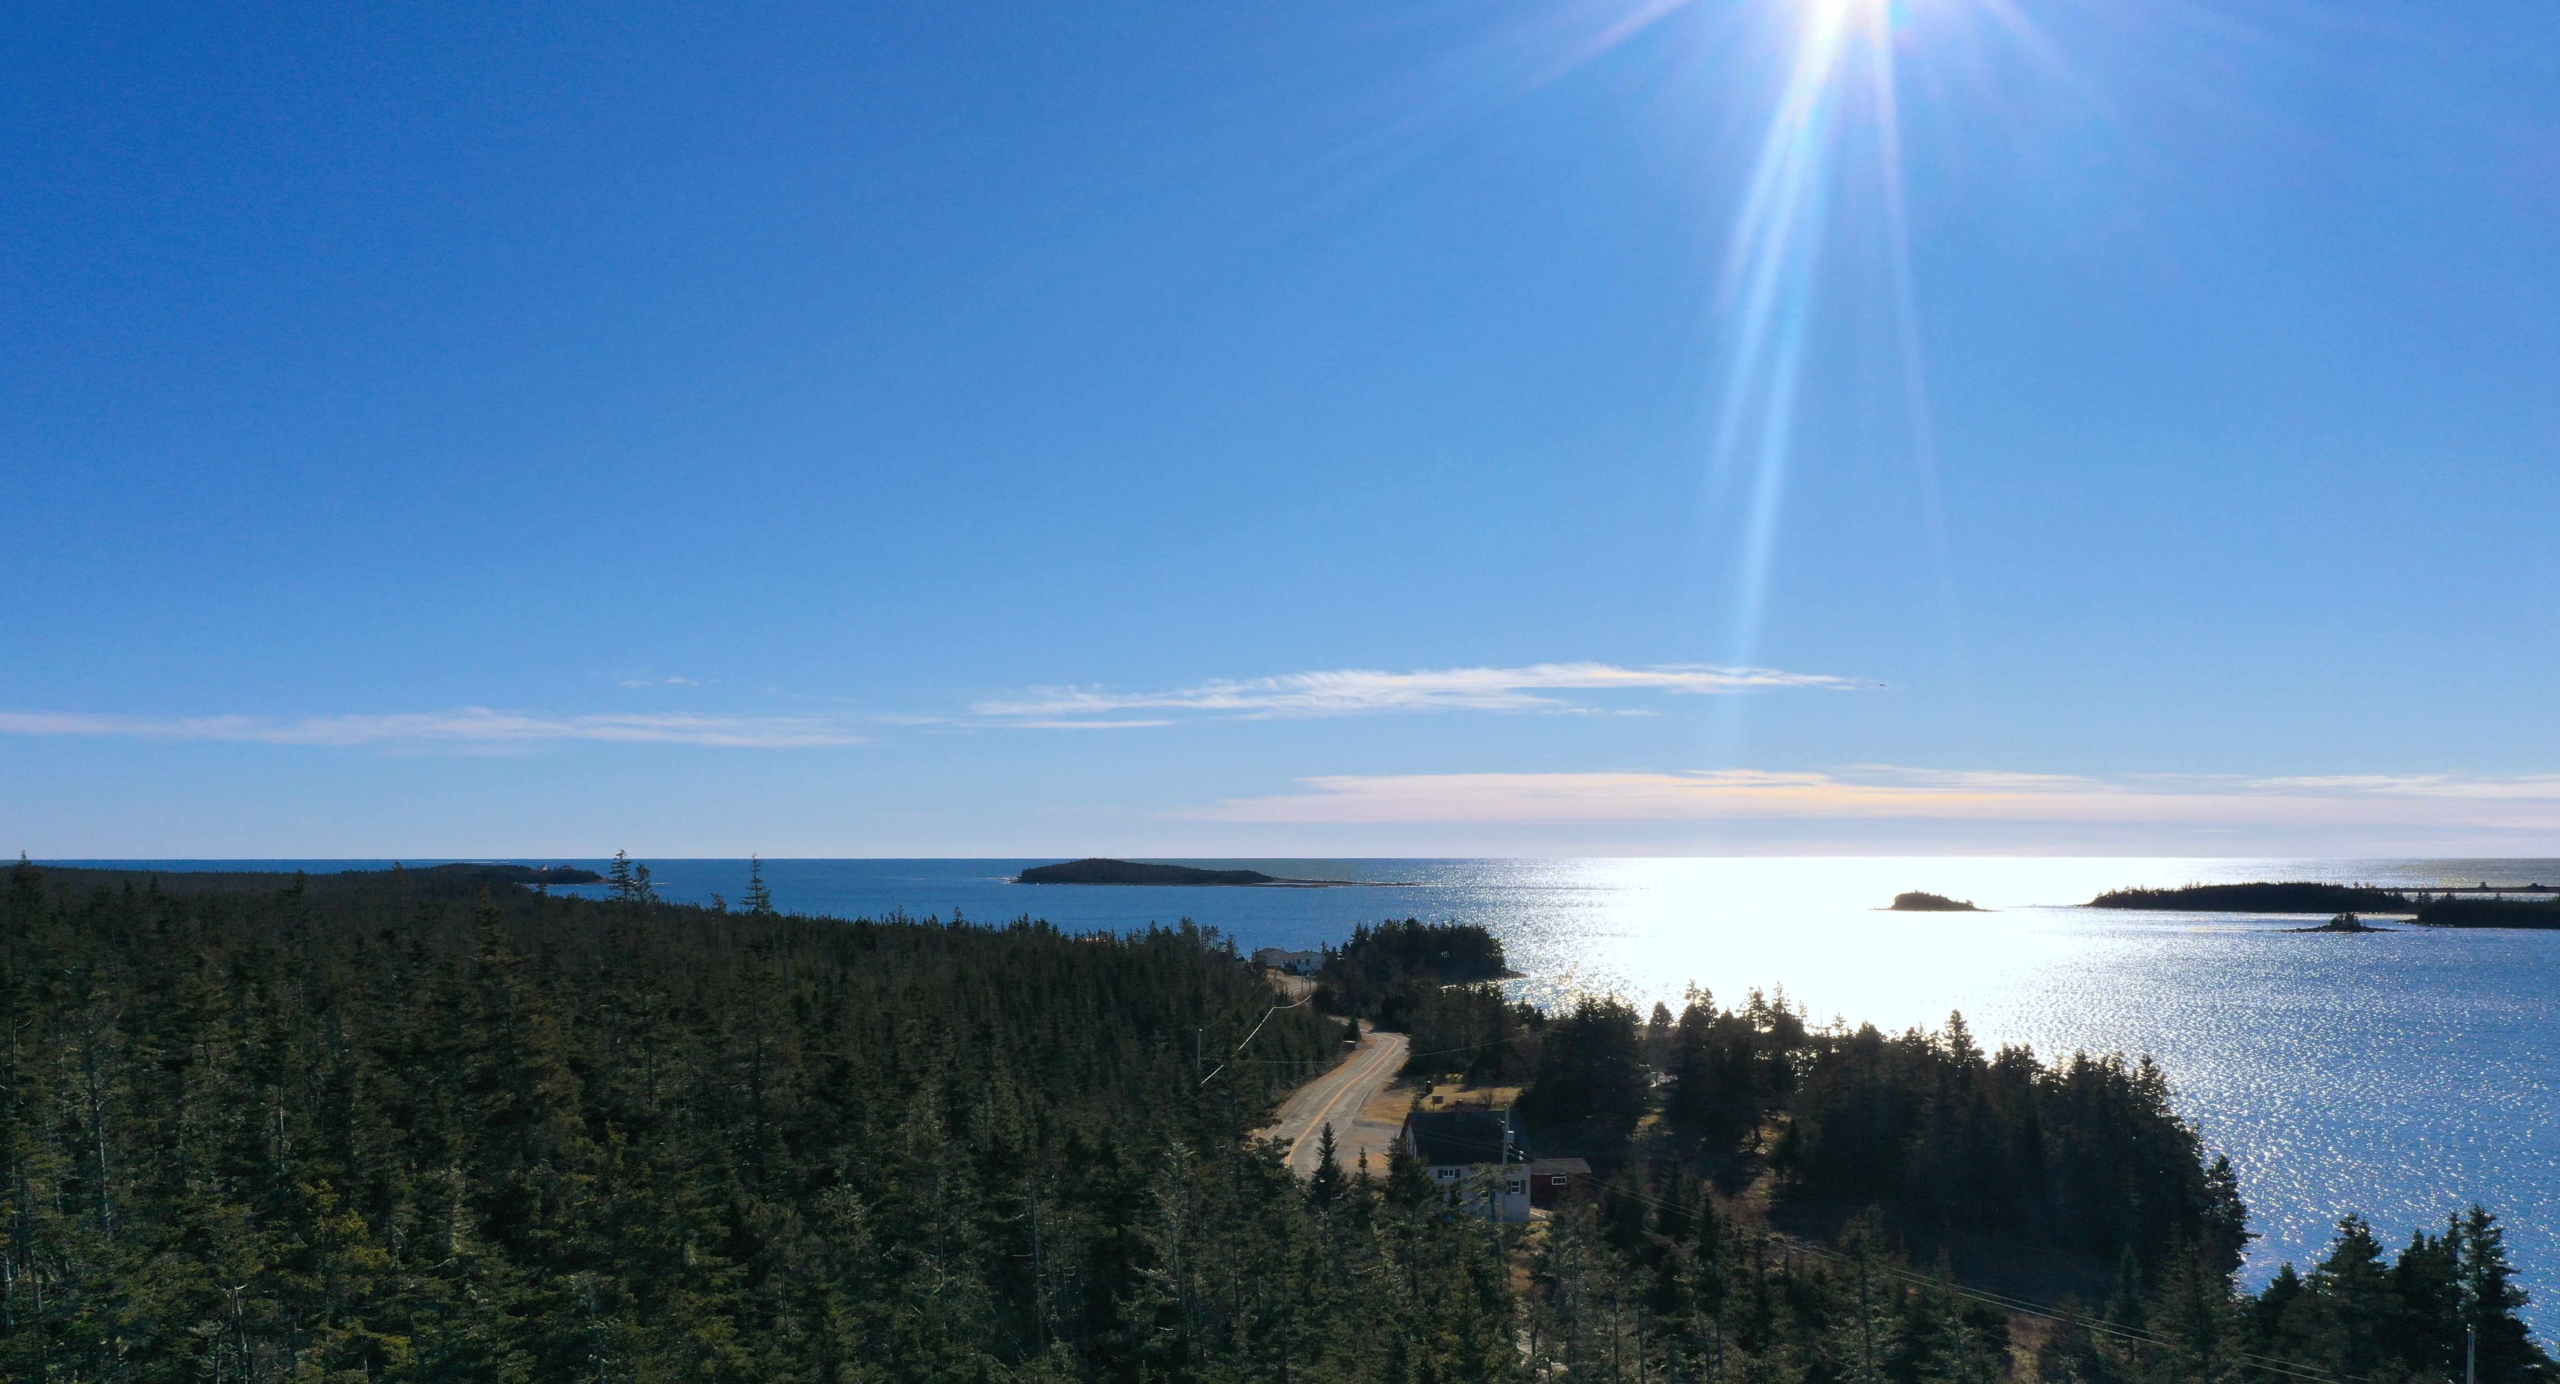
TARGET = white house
(1474,1154)
(1296,963)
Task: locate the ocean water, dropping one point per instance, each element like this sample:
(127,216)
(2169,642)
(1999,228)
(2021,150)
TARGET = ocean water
(2400,1075)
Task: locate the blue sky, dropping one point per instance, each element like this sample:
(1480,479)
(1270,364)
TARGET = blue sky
(1248,430)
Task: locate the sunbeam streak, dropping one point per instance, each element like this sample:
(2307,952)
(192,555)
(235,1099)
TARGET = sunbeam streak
(1906,311)
(1766,298)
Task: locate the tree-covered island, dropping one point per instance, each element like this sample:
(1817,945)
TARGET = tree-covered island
(1100,871)
(2344,922)
(1918,901)
(2441,908)
(2260,897)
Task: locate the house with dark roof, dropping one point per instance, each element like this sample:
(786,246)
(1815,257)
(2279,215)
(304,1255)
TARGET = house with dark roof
(1473,1155)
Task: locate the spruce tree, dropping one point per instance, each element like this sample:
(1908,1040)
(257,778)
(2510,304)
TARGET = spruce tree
(2195,1316)
(2353,1292)
(2489,1302)
(2425,1330)
(1325,1186)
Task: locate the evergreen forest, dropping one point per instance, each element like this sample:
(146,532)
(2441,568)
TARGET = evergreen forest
(428,1125)
(1386,972)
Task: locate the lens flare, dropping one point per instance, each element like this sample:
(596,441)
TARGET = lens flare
(1826,98)
(1767,292)
(1768,296)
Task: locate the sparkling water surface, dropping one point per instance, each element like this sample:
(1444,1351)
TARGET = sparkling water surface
(2399,1075)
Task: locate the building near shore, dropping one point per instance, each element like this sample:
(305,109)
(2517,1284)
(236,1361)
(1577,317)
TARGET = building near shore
(1296,963)
(1474,1156)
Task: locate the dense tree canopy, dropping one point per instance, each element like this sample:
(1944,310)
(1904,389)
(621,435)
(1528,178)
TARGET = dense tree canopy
(397,1129)
(1386,972)
(1591,1084)
(427,1125)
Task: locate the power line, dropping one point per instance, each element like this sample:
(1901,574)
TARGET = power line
(1257,1028)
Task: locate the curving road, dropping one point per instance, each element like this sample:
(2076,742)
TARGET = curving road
(1354,1099)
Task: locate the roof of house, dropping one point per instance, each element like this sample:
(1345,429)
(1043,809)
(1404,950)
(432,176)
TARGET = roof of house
(1559,1166)
(1444,1137)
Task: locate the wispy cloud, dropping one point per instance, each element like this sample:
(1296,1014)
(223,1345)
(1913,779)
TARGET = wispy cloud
(1362,692)
(464,727)
(1880,792)
(2525,786)
(1298,695)
(1088,725)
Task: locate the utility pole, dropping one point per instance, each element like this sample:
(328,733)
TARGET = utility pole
(2470,1355)
(1039,1299)
(1506,1160)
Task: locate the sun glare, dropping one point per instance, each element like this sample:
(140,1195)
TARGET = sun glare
(1841,61)
(1842,7)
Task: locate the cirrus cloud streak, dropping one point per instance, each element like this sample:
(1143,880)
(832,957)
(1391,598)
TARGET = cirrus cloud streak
(1367,691)
(471,727)
(1888,793)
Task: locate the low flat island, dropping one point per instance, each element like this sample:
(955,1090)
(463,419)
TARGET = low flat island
(1100,871)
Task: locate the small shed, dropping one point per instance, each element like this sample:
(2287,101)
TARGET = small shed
(1555,1181)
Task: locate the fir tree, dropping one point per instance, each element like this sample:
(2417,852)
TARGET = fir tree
(1326,1186)
(2352,1290)
(2506,1351)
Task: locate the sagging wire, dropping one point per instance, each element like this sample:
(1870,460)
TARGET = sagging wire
(1257,1028)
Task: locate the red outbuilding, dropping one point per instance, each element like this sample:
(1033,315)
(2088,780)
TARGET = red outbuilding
(1554,1181)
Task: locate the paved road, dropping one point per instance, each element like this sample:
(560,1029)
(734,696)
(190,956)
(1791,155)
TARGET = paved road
(1354,1098)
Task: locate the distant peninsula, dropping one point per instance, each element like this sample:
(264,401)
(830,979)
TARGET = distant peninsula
(1099,871)
(2292,897)
(457,880)
(2523,913)
(1918,902)
(2479,907)
(518,874)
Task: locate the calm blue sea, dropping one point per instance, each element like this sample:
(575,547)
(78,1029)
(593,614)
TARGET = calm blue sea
(2401,1075)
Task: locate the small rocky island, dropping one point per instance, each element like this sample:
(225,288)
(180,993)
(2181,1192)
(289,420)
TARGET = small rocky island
(1918,902)
(2344,922)
(1100,871)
